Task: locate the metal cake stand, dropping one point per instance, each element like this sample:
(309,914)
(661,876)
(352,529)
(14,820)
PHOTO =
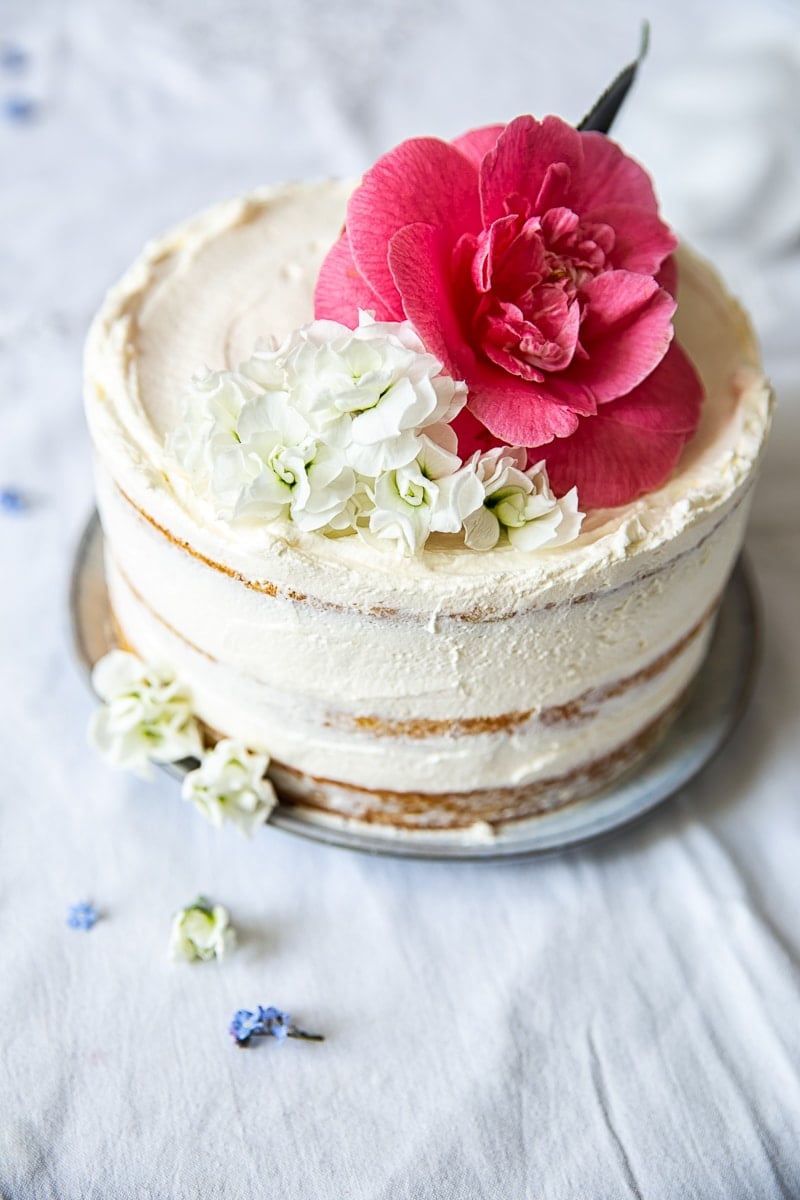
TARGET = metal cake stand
(717,700)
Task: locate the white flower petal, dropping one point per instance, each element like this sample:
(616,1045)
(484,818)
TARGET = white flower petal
(571,520)
(460,494)
(481,530)
(434,460)
(534,534)
(116,673)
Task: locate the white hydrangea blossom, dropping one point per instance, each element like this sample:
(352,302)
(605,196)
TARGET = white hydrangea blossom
(293,430)
(146,715)
(518,500)
(369,391)
(230,785)
(201,931)
(211,415)
(256,457)
(348,431)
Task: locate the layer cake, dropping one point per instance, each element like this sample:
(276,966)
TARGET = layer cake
(435,690)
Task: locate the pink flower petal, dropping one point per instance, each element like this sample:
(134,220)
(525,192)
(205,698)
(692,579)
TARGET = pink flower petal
(611,177)
(611,464)
(516,411)
(440,234)
(626,331)
(420,260)
(668,401)
(422,180)
(478,142)
(555,189)
(632,445)
(340,291)
(519,164)
(642,241)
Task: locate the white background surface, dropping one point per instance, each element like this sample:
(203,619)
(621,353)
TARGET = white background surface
(622,1022)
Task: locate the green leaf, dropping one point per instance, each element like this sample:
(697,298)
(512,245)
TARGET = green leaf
(601,117)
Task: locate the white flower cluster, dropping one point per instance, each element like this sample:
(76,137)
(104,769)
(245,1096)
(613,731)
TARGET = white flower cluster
(348,430)
(147,716)
(230,784)
(518,500)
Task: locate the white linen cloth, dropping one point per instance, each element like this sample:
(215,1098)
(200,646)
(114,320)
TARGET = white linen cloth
(619,1022)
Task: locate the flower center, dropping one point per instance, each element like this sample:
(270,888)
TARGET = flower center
(413,493)
(282,462)
(527,276)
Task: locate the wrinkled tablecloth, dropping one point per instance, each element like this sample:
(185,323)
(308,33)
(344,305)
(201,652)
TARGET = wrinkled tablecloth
(618,1022)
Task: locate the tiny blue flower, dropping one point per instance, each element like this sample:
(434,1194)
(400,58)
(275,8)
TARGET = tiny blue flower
(244,1025)
(12,57)
(266,1022)
(276,1023)
(82,916)
(12,500)
(19,109)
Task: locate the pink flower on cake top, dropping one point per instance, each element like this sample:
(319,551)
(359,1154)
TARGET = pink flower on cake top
(531,260)
(492,347)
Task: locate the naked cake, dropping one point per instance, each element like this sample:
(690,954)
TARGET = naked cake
(448,542)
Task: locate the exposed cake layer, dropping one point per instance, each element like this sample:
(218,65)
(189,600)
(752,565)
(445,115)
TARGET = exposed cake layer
(475,810)
(479,812)
(446,673)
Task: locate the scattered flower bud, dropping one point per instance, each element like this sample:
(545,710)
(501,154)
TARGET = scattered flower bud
(200,932)
(82,916)
(12,500)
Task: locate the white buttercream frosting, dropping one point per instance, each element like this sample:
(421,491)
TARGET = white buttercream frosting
(294,642)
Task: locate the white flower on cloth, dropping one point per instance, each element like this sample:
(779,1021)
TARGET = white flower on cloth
(201,931)
(146,715)
(519,501)
(230,785)
(432,494)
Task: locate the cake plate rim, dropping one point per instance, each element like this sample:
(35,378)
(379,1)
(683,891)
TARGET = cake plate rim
(717,700)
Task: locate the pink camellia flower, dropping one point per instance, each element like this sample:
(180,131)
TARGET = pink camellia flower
(532,261)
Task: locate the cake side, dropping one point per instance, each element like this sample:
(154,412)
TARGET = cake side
(317,687)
